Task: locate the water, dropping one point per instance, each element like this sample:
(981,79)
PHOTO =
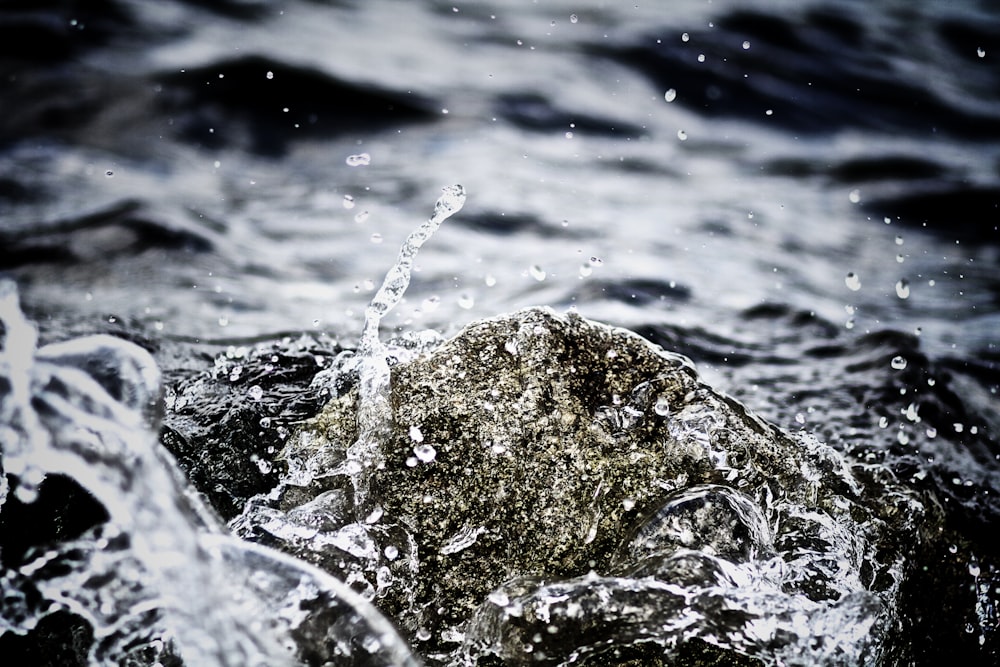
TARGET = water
(799,197)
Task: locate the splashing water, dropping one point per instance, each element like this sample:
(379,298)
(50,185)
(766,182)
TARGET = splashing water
(374,411)
(162,565)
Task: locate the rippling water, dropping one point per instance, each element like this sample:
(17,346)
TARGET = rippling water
(801,197)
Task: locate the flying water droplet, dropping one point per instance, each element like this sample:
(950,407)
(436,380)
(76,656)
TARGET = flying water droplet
(348,202)
(898,363)
(359,160)
(537,272)
(981,52)
(903,289)
(670,95)
(853,281)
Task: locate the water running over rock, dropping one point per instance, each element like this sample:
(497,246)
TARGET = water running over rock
(588,494)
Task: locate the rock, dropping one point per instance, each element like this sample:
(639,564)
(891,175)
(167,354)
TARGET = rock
(571,488)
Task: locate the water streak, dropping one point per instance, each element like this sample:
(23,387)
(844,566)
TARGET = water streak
(374,410)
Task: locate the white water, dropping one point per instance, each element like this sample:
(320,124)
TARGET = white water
(374,409)
(162,564)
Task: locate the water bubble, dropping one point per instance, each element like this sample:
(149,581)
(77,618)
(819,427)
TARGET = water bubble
(903,289)
(898,363)
(359,160)
(670,95)
(536,272)
(425,453)
(853,281)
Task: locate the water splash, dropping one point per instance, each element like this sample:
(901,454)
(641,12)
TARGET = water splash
(374,410)
(161,565)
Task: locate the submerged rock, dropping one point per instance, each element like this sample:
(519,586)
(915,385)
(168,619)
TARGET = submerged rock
(568,490)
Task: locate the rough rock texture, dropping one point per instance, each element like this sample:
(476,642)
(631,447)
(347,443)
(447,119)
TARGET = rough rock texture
(537,447)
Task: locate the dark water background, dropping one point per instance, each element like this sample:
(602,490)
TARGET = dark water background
(800,196)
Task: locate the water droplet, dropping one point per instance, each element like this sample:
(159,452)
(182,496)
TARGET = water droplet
(701,57)
(573,18)
(662,406)
(769,112)
(536,272)
(958,426)
(270,75)
(586,270)
(682,135)
(256,393)
(499,598)
(746,44)
(430,304)
(466,300)
(854,196)
(376,238)
(628,504)
(931,432)
(800,418)
(109,173)
(853,281)
(903,288)
(981,52)
(685,37)
(425,453)
(359,160)
(974,569)
(416,435)
(391,552)
(898,363)
(490,280)
(423,634)
(883,422)
(348,202)
(670,95)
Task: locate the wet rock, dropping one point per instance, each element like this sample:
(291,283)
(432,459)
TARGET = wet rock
(560,476)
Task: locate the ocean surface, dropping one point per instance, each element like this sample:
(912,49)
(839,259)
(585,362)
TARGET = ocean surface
(801,197)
